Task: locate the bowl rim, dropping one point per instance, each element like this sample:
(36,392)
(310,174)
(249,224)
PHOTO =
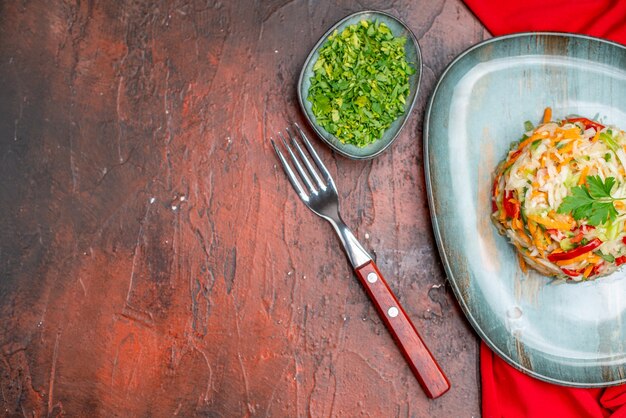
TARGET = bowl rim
(418,69)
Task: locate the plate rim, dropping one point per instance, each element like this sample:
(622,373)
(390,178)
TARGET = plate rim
(435,223)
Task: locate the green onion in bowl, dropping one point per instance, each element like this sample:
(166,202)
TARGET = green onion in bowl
(359,83)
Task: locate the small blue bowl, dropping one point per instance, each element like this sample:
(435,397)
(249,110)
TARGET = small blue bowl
(413,57)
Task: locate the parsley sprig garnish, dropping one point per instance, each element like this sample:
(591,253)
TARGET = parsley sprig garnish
(592,201)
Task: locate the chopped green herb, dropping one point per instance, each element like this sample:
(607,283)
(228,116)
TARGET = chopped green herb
(360,82)
(607,138)
(528,126)
(606,257)
(566,244)
(592,201)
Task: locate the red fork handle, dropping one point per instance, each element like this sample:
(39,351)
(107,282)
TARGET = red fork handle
(421,361)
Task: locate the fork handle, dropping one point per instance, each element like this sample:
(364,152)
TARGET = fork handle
(422,363)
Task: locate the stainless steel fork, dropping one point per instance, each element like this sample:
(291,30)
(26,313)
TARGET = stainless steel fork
(317,190)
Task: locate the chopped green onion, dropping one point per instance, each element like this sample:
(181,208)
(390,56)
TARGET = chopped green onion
(528,126)
(360,82)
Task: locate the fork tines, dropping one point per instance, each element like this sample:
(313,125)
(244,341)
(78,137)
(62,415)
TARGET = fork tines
(310,176)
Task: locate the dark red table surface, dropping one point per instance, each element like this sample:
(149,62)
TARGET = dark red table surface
(154,260)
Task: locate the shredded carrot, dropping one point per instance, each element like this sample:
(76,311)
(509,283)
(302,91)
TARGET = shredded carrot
(553,223)
(563,164)
(536,235)
(583,175)
(522,263)
(619,205)
(589,257)
(532,138)
(562,217)
(567,148)
(537,193)
(588,270)
(572,133)
(526,239)
(519,226)
(596,136)
(547,115)
(512,159)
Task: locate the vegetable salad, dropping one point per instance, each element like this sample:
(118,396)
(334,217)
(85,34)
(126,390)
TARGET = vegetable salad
(560,197)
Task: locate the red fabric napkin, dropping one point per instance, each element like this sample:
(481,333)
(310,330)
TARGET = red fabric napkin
(507,392)
(600,18)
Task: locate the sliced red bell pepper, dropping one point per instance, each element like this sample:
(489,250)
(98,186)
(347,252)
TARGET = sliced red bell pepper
(620,260)
(624,240)
(583,228)
(587,228)
(588,123)
(571,273)
(568,255)
(515,154)
(579,237)
(596,269)
(511,205)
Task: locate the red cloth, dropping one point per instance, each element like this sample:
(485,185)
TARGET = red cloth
(506,392)
(509,393)
(600,18)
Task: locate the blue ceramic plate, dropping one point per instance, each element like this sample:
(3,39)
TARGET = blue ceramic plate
(413,57)
(567,333)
